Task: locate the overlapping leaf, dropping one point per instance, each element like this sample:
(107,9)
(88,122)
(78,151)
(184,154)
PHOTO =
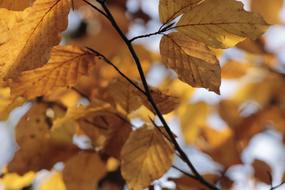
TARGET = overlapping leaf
(146,156)
(221,23)
(30,41)
(66,65)
(169,9)
(16,5)
(193,61)
(83,171)
(36,144)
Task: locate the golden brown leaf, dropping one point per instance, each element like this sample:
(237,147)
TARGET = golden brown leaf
(233,69)
(221,23)
(270,10)
(36,146)
(17,5)
(261,171)
(83,171)
(193,61)
(30,41)
(8,20)
(126,98)
(64,68)
(146,156)
(169,9)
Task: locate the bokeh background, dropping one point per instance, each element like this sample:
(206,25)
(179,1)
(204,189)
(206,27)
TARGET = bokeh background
(253,86)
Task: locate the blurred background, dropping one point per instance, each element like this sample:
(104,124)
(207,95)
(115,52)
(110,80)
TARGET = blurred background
(238,135)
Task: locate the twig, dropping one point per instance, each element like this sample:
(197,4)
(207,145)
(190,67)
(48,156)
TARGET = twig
(184,172)
(276,187)
(161,30)
(151,100)
(96,8)
(98,54)
(148,94)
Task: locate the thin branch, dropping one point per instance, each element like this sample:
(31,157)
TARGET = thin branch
(185,173)
(96,8)
(98,54)
(276,187)
(151,100)
(161,30)
(145,35)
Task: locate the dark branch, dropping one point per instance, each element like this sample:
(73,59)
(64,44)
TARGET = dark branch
(98,54)
(276,187)
(96,8)
(185,173)
(150,98)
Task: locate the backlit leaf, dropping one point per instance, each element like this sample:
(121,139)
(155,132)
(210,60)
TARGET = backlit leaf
(146,156)
(64,68)
(221,23)
(30,41)
(193,61)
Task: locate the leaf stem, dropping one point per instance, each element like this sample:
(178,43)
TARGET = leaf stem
(151,100)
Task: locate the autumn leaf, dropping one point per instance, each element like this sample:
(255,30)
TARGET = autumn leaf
(232,69)
(17,5)
(14,181)
(126,98)
(169,9)
(269,10)
(221,23)
(83,171)
(148,155)
(8,22)
(64,68)
(261,170)
(54,181)
(191,60)
(36,146)
(30,41)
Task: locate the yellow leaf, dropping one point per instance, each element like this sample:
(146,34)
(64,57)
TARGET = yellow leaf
(8,103)
(146,156)
(30,41)
(233,69)
(221,23)
(8,20)
(270,10)
(66,65)
(193,117)
(17,5)
(13,181)
(169,9)
(54,181)
(193,61)
(83,171)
